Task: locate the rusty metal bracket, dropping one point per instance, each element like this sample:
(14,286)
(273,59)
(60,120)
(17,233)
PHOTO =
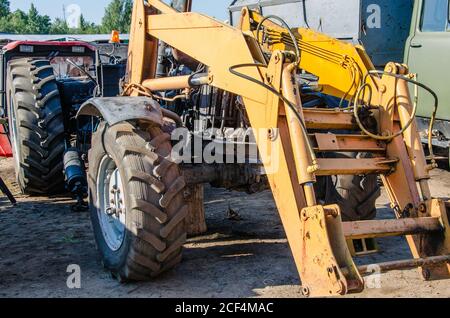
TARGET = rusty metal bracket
(327,267)
(436,243)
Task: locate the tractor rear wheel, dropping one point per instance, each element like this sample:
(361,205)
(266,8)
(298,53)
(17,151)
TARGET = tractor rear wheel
(36,126)
(137,201)
(356,195)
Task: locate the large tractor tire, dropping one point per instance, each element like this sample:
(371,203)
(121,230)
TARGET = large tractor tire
(36,126)
(137,202)
(355,195)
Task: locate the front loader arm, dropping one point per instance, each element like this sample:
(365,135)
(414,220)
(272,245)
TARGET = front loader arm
(342,70)
(273,104)
(220,47)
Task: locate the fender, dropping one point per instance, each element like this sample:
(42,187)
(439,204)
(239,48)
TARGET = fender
(115,110)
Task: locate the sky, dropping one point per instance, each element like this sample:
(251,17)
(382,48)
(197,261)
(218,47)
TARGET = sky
(93,10)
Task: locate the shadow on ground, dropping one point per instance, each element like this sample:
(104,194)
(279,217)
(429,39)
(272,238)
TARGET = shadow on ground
(41,237)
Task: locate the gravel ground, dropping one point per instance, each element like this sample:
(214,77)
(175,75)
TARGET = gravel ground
(41,237)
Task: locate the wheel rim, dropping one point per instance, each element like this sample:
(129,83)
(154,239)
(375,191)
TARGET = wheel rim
(14,133)
(111,204)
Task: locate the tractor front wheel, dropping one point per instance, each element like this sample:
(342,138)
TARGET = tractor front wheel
(137,201)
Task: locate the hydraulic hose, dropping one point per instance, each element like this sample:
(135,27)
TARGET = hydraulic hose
(286,26)
(293,107)
(413,115)
(305,17)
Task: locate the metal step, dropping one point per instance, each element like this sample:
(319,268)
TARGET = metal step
(329,120)
(346,143)
(333,167)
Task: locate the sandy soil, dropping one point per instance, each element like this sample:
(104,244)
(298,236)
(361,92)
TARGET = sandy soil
(41,237)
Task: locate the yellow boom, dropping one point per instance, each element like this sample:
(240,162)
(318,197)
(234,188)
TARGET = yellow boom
(260,67)
(340,66)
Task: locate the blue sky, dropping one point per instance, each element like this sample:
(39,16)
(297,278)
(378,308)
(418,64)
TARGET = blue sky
(93,9)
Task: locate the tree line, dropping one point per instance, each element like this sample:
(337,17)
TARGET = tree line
(117,17)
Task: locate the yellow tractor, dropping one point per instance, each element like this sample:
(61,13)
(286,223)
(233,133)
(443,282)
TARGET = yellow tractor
(196,83)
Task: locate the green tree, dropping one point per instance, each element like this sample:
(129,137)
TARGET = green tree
(88,27)
(15,22)
(4,14)
(59,26)
(4,8)
(117,16)
(21,22)
(37,24)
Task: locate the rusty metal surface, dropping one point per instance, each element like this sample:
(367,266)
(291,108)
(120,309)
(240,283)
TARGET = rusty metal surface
(317,119)
(346,143)
(325,254)
(332,167)
(435,244)
(382,228)
(407,264)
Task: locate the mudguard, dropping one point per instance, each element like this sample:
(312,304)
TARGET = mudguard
(115,110)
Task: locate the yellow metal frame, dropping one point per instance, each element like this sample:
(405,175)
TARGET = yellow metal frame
(314,232)
(341,66)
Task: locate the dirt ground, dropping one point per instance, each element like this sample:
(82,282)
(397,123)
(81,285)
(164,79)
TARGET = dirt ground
(41,237)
